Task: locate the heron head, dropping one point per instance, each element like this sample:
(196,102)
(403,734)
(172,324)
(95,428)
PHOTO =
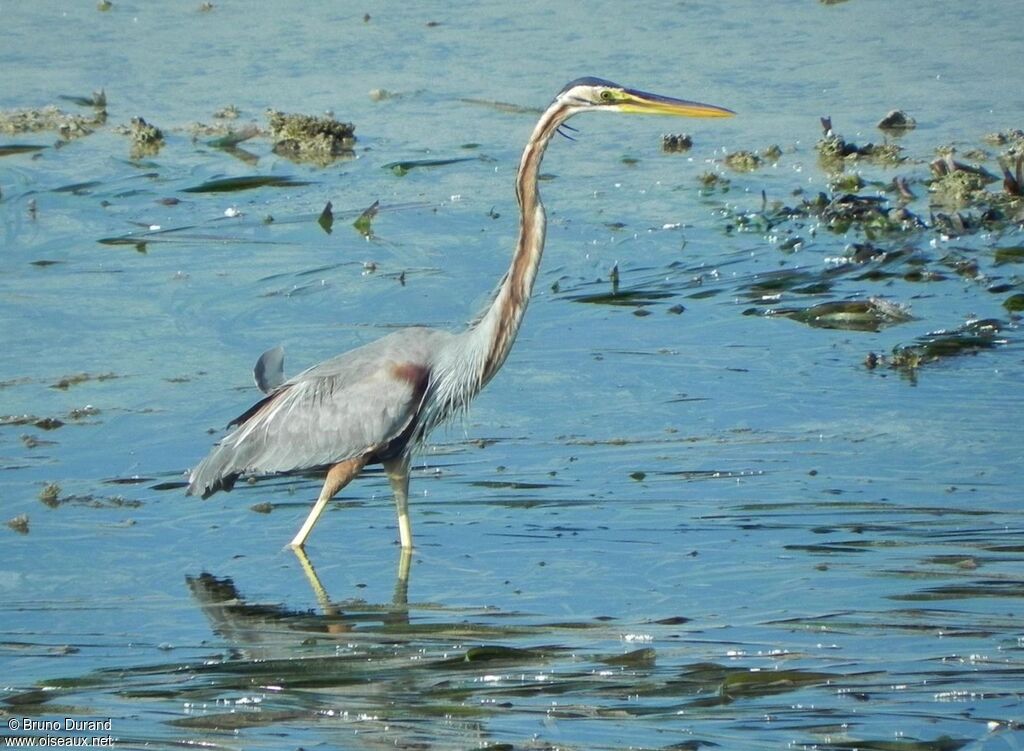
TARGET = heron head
(597,94)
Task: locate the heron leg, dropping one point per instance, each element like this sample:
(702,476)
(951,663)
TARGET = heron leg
(402,579)
(338,476)
(398,474)
(314,581)
(399,614)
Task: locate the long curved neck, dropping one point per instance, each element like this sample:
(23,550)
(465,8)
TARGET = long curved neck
(473,357)
(494,332)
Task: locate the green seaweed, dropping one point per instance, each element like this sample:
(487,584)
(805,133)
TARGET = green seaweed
(942,743)
(364,222)
(1014,303)
(245,182)
(972,337)
(20,148)
(233,721)
(1010,254)
(233,137)
(872,314)
(635,297)
(403,167)
(326,218)
(638,658)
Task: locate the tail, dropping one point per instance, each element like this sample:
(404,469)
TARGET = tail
(252,448)
(215,472)
(228,460)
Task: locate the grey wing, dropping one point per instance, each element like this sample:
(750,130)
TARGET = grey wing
(348,406)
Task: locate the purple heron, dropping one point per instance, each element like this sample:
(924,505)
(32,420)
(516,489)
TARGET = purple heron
(375,404)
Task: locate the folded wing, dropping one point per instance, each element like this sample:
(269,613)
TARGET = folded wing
(356,404)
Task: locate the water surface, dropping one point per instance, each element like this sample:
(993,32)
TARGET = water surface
(673,521)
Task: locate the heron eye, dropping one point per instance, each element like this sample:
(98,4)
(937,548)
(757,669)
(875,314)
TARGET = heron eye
(607,96)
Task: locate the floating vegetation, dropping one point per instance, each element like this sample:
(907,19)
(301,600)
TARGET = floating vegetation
(232,722)
(31,442)
(403,167)
(969,339)
(1014,303)
(737,682)
(229,137)
(872,314)
(81,413)
(97,100)
(76,378)
(942,743)
(43,423)
(53,496)
(645,657)
(892,241)
(245,182)
(308,138)
(841,213)
(326,218)
(224,135)
(499,653)
(516,109)
(48,423)
(872,215)
(364,222)
(19,148)
(636,297)
(140,245)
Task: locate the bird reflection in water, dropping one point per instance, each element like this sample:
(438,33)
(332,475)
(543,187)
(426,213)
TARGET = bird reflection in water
(247,625)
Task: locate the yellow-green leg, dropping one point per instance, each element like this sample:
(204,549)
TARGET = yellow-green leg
(398,474)
(338,476)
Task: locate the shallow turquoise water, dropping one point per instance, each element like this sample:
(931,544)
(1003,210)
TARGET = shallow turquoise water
(788,547)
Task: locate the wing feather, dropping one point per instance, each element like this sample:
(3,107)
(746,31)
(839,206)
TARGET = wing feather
(348,406)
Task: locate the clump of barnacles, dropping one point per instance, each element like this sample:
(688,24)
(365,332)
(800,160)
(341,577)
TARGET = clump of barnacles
(310,138)
(897,121)
(68,126)
(833,148)
(146,138)
(676,142)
